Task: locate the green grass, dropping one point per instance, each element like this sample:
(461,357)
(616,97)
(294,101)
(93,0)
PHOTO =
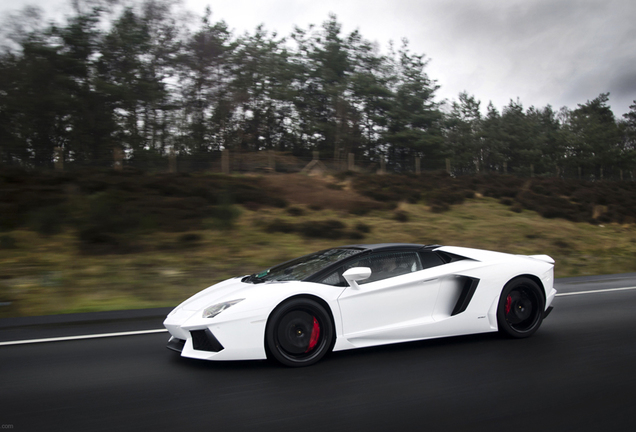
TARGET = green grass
(49,275)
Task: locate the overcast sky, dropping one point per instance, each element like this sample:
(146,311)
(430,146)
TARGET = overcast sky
(557,52)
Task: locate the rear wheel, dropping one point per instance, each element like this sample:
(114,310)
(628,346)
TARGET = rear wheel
(521,308)
(299,333)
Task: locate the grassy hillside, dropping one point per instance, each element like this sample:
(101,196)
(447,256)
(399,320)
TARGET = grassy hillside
(101,241)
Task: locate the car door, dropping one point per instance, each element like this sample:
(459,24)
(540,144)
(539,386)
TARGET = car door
(398,294)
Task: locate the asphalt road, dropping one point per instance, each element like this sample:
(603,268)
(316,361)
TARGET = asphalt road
(578,372)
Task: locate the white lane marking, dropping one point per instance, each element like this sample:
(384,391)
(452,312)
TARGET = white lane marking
(596,291)
(142,332)
(89,336)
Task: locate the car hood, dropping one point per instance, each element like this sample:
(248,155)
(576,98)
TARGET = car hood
(230,289)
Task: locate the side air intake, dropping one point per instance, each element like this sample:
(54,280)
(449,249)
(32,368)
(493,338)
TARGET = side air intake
(469,285)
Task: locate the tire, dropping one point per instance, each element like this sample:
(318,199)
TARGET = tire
(521,308)
(299,333)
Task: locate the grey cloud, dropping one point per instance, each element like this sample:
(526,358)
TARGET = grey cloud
(555,52)
(558,52)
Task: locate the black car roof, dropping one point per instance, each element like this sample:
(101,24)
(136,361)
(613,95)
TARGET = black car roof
(390,246)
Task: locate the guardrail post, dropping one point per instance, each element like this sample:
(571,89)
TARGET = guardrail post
(172,161)
(59,159)
(272,160)
(225,161)
(118,156)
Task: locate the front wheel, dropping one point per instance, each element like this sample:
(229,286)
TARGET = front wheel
(521,308)
(299,333)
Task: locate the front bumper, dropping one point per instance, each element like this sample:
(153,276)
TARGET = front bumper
(236,338)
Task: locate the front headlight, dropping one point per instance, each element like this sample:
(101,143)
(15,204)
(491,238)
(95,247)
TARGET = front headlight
(214,310)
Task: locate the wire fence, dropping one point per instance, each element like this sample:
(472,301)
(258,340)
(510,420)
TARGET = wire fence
(268,161)
(280,162)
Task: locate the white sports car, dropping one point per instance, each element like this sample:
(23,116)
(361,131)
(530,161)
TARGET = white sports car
(363,295)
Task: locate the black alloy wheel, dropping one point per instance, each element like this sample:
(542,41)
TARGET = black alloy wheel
(299,333)
(521,308)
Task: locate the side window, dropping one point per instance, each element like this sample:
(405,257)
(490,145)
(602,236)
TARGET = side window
(430,259)
(335,279)
(383,265)
(388,265)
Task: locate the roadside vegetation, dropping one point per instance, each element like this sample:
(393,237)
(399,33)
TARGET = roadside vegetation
(105,241)
(106,230)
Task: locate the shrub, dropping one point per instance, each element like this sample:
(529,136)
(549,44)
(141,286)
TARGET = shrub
(279,225)
(440,207)
(361,208)
(389,187)
(329,229)
(251,205)
(441,199)
(7,242)
(276,202)
(190,238)
(561,244)
(550,212)
(48,220)
(516,207)
(225,215)
(295,211)
(356,235)
(506,201)
(107,225)
(363,228)
(401,216)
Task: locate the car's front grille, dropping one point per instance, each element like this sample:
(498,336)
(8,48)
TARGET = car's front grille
(204,340)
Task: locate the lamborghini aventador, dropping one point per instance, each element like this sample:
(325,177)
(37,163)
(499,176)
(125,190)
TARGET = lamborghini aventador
(363,295)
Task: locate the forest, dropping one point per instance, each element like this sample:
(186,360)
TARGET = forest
(144,82)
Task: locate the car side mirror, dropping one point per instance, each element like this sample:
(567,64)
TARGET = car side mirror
(356,274)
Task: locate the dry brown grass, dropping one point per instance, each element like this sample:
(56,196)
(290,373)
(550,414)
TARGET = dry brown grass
(45,274)
(317,192)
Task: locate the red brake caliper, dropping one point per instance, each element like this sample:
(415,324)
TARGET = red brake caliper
(315,334)
(508,304)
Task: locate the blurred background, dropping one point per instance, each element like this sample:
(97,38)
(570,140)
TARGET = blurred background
(147,152)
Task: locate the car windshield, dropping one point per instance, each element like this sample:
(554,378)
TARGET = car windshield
(302,267)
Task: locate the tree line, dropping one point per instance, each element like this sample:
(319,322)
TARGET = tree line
(139,80)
